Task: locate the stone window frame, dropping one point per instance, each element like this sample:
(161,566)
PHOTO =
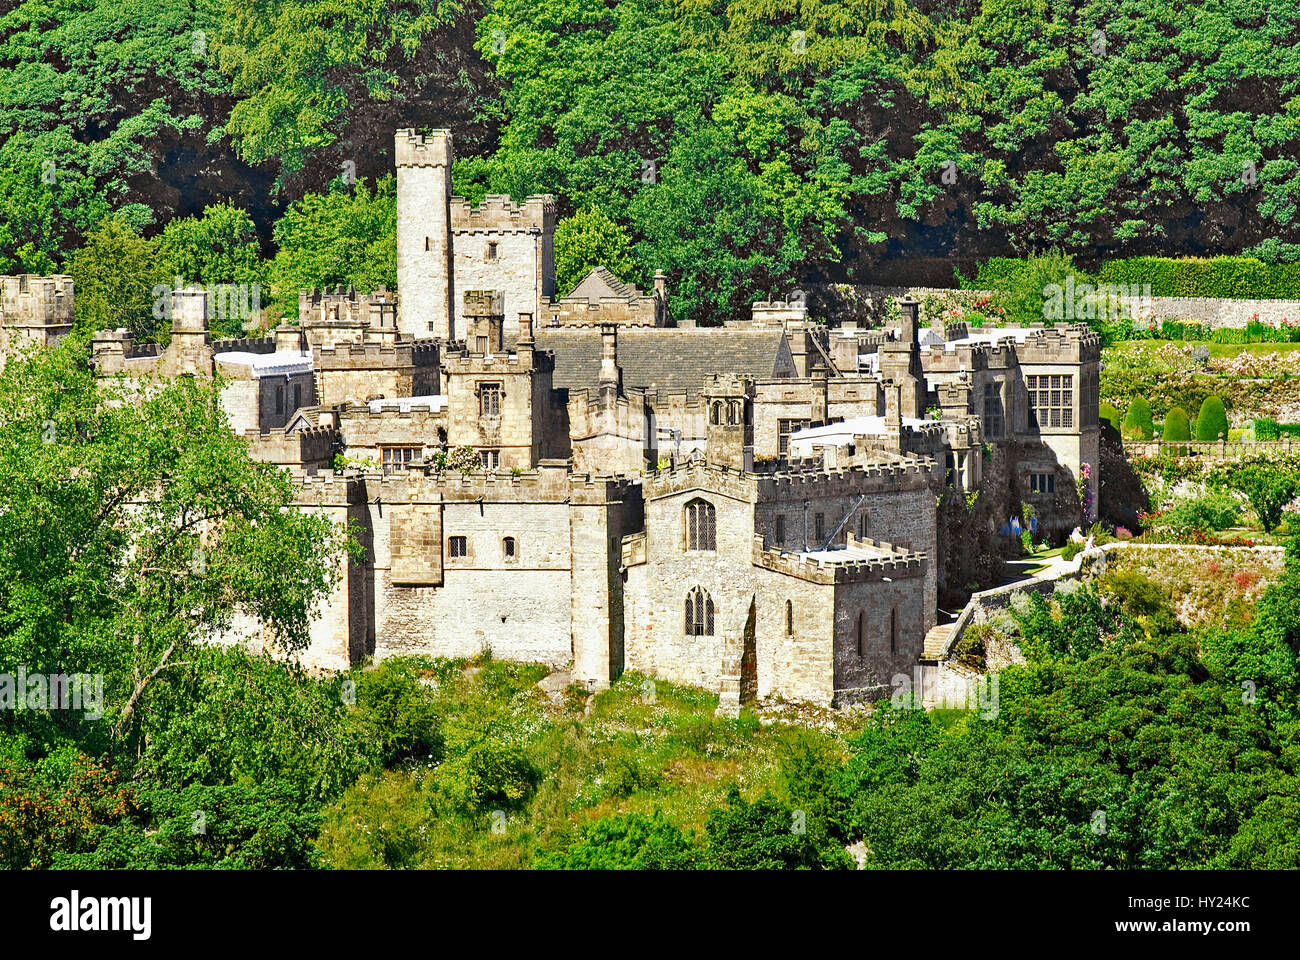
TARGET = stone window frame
(864,520)
(1051,399)
(699,526)
(399,456)
(453,542)
(995,421)
(819,528)
(1042,483)
(509,549)
(489,460)
(700,613)
(491,388)
(785,427)
(491,252)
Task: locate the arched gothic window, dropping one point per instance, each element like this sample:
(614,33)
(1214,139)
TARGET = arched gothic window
(701,527)
(699,613)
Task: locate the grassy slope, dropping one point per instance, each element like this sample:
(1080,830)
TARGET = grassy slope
(619,751)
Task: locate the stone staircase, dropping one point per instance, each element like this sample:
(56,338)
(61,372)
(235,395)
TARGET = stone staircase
(935,645)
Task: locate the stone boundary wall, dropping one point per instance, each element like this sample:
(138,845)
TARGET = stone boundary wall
(1217,450)
(848,302)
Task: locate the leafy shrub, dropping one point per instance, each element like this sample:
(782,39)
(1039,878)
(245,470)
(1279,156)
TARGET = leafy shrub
(768,835)
(1212,422)
(1021,283)
(630,841)
(1269,483)
(1137,422)
(1212,512)
(1071,550)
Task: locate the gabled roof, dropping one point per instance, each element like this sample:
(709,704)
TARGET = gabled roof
(671,360)
(601,283)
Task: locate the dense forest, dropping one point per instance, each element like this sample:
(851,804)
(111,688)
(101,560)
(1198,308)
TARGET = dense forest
(747,148)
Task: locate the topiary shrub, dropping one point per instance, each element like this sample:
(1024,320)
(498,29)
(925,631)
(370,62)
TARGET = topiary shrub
(1109,413)
(1212,420)
(1137,422)
(1178,425)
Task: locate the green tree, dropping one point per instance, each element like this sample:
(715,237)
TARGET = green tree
(339,238)
(1267,483)
(590,239)
(133,525)
(1137,421)
(115,274)
(1212,421)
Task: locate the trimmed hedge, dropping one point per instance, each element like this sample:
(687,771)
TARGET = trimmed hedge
(1212,421)
(1177,425)
(1268,429)
(1137,422)
(1240,278)
(1109,413)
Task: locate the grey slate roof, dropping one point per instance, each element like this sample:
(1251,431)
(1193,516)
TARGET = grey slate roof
(671,360)
(600,282)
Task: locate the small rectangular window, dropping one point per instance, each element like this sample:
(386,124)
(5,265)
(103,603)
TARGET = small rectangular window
(783,430)
(491,251)
(490,459)
(508,547)
(458,546)
(481,344)
(399,458)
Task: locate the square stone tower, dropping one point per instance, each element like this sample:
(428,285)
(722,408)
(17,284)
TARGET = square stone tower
(425,283)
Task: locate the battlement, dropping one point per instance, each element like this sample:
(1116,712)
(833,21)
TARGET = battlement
(543,484)
(345,305)
(260,345)
(32,300)
(853,568)
(309,446)
(401,408)
(406,353)
(432,149)
(484,303)
(498,213)
(778,312)
(783,484)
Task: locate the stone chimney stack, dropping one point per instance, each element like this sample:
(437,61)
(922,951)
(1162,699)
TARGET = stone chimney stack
(524,345)
(911,320)
(661,299)
(484,320)
(610,374)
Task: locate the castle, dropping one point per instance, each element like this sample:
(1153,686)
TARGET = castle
(572,478)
